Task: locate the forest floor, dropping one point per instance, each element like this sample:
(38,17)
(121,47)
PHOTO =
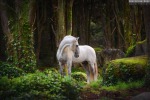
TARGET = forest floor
(112,95)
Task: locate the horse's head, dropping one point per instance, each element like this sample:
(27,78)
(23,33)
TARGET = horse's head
(75,47)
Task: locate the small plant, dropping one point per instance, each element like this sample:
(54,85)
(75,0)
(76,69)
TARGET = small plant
(9,70)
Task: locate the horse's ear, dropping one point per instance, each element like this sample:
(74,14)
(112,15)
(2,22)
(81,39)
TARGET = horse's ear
(77,38)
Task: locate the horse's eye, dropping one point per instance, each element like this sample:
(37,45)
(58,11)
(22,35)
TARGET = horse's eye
(76,45)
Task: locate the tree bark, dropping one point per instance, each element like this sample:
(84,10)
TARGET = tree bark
(81,20)
(147,29)
(69,4)
(61,32)
(5,27)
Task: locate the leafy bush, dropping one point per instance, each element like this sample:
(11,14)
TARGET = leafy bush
(40,85)
(79,76)
(9,70)
(123,72)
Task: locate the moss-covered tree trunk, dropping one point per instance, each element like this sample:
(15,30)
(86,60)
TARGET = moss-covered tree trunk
(61,29)
(69,4)
(127,25)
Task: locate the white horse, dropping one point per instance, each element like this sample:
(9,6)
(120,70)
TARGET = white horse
(70,52)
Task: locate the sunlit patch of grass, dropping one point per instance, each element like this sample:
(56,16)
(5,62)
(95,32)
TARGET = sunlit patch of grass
(124,86)
(142,60)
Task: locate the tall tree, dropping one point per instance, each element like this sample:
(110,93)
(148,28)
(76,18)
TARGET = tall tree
(147,29)
(69,5)
(43,24)
(61,28)
(5,27)
(81,19)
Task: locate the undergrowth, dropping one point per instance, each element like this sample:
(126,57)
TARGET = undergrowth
(40,85)
(124,86)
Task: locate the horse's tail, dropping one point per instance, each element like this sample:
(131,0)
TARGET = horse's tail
(96,70)
(61,51)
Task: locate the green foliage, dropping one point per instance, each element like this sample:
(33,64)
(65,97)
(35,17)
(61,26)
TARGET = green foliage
(130,51)
(4,83)
(124,86)
(40,85)
(121,71)
(21,53)
(79,76)
(9,70)
(22,48)
(70,88)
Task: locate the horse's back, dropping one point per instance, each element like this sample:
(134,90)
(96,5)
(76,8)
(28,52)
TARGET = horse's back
(87,48)
(87,53)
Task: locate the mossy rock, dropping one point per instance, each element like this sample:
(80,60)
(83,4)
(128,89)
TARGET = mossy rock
(79,76)
(126,69)
(107,55)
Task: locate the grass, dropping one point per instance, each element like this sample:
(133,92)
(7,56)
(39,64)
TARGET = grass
(124,86)
(142,60)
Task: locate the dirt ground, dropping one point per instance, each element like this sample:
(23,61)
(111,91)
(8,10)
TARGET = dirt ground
(117,95)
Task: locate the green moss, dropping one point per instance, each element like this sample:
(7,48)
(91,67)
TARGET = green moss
(142,42)
(130,51)
(141,60)
(126,70)
(98,49)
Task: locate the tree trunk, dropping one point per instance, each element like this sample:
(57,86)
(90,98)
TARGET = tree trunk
(81,20)
(61,32)
(43,26)
(147,29)
(69,4)
(5,27)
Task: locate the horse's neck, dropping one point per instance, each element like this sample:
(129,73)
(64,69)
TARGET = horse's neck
(66,40)
(60,52)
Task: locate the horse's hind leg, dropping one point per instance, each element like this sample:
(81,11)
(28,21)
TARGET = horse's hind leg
(86,67)
(93,74)
(96,72)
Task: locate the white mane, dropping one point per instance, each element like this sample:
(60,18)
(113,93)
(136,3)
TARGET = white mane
(66,40)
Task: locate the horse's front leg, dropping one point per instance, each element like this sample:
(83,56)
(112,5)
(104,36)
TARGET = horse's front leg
(69,65)
(61,68)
